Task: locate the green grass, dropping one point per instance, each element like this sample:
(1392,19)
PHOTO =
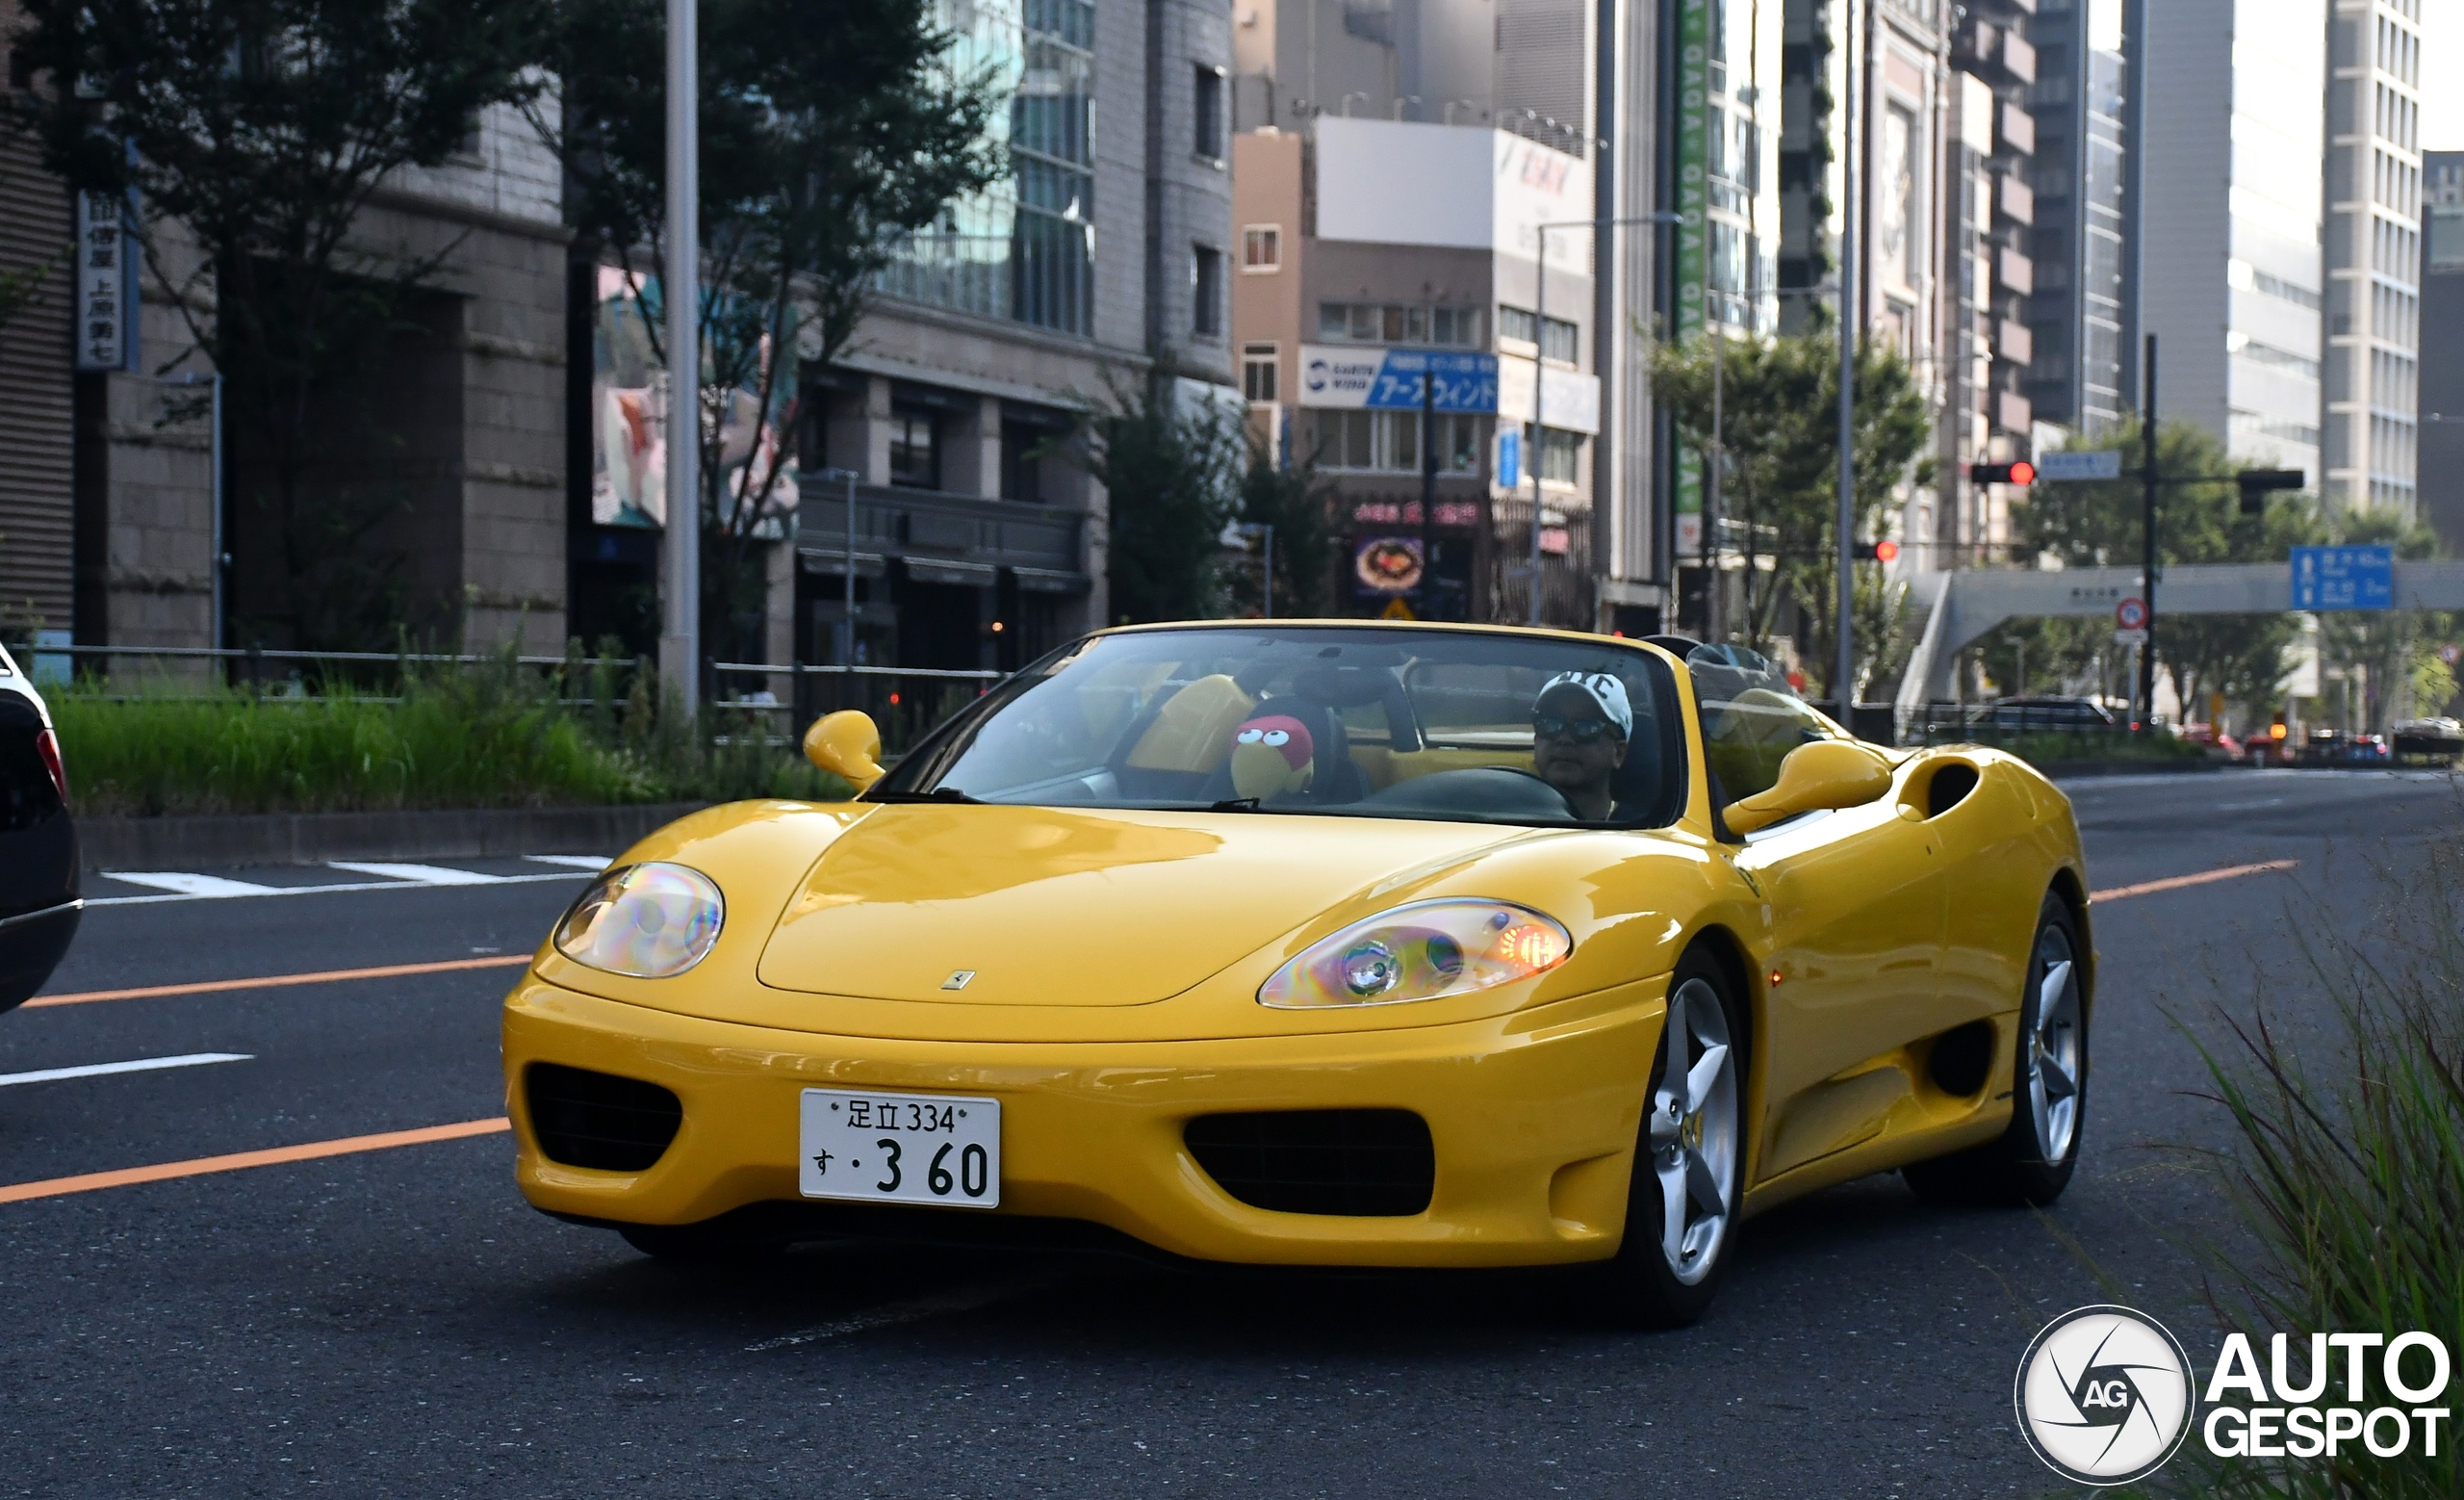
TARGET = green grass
(492,735)
(2348,1170)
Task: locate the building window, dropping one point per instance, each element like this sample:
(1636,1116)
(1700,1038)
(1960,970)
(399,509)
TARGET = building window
(1206,291)
(1560,455)
(1262,248)
(1521,326)
(914,456)
(1389,442)
(1207,94)
(1023,249)
(1392,323)
(1258,368)
(1021,463)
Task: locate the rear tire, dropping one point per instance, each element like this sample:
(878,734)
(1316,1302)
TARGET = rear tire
(2032,1162)
(1691,1149)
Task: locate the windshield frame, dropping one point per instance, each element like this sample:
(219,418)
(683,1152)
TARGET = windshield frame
(919,772)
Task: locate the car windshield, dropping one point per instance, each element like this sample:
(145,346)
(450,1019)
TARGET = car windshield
(1461,726)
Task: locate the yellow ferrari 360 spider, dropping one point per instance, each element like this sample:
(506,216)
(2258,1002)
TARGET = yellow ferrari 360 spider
(1325,944)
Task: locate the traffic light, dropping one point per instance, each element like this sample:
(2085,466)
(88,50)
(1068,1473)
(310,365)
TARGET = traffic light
(2257,483)
(2018,470)
(1883,551)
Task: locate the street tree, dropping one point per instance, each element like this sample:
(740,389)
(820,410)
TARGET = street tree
(827,137)
(1172,466)
(1294,498)
(2101,524)
(1779,428)
(256,134)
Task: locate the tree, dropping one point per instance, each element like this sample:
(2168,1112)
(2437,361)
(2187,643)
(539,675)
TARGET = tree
(1294,498)
(827,138)
(262,130)
(2102,524)
(1780,424)
(1172,468)
(2391,656)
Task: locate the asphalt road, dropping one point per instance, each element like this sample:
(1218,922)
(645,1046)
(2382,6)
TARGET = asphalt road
(398,1322)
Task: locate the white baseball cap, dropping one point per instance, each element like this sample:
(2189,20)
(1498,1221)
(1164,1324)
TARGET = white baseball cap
(1603,689)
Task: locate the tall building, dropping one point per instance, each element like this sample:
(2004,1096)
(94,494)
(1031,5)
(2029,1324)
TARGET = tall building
(2439,409)
(1370,247)
(2080,313)
(2373,245)
(2231,192)
(1103,260)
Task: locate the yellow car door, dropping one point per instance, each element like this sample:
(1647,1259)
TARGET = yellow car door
(1856,901)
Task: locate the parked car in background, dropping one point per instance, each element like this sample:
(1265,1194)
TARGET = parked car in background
(2219,746)
(2436,740)
(2332,748)
(38,898)
(2044,715)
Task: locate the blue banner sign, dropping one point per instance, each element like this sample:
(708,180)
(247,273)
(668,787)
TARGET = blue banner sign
(2344,577)
(1509,460)
(1389,380)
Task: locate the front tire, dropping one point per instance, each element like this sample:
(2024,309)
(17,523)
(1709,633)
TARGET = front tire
(2032,1160)
(1689,1157)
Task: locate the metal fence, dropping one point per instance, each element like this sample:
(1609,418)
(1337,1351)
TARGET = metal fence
(906,702)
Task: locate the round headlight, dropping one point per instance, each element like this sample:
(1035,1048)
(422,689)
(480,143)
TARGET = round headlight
(1423,951)
(645,920)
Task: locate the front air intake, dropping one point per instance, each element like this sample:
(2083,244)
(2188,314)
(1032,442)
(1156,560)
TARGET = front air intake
(1367,1163)
(598,1121)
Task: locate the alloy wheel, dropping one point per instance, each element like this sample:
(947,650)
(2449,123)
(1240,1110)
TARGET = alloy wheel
(2053,1047)
(1694,1131)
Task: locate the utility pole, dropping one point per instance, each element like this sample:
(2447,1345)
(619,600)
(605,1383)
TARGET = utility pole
(1538,456)
(1429,489)
(680,638)
(1844,666)
(2145,717)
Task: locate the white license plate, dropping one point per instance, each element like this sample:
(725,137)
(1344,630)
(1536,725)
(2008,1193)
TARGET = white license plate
(889,1148)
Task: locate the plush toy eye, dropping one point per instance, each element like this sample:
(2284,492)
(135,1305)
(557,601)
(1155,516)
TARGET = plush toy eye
(1247,736)
(1278,738)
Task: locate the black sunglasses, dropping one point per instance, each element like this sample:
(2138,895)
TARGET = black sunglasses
(1549,726)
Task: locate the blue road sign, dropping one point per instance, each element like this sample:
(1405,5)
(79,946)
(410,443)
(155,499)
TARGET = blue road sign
(2344,577)
(1510,458)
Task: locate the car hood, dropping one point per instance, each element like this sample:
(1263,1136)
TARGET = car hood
(1051,907)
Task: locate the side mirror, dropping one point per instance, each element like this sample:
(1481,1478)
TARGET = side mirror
(846,744)
(1828,773)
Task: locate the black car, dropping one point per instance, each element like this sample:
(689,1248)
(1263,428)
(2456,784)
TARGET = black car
(38,899)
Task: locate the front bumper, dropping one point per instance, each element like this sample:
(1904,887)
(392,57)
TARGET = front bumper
(1533,1116)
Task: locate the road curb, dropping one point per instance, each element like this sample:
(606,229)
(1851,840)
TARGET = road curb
(206,842)
(2066,770)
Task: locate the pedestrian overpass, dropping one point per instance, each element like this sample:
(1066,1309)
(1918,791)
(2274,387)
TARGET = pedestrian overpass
(1964,605)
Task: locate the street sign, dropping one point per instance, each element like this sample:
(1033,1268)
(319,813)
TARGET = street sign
(2131,614)
(2344,577)
(2134,635)
(1510,459)
(1389,380)
(2093,464)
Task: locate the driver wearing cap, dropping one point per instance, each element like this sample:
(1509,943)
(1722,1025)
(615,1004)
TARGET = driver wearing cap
(1581,723)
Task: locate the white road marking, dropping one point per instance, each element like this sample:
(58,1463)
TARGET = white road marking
(963,1299)
(188,885)
(140,1064)
(362,884)
(417,874)
(590,862)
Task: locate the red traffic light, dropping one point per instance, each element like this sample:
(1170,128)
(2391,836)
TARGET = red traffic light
(2016,472)
(1886,549)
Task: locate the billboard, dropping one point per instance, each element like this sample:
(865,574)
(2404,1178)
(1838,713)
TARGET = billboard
(1461,186)
(629,416)
(1693,169)
(1351,377)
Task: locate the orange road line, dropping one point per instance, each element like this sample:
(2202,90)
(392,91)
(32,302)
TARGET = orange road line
(275,981)
(2173,883)
(54,1187)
